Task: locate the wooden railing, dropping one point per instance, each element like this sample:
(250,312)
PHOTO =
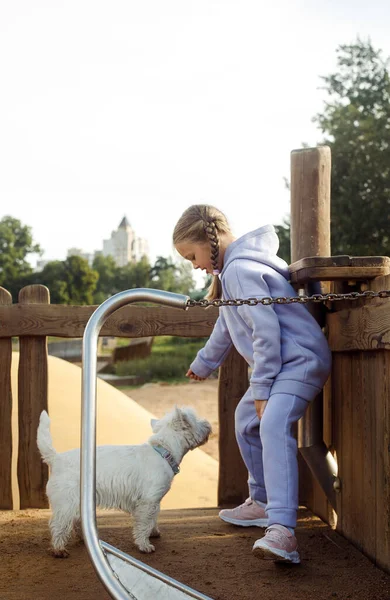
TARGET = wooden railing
(33,319)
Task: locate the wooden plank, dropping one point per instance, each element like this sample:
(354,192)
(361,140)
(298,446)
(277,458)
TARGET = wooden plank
(343,436)
(341,273)
(232,385)
(354,512)
(32,389)
(371,369)
(130,321)
(331,268)
(343,260)
(382,455)
(364,327)
(328,268)
(5,414)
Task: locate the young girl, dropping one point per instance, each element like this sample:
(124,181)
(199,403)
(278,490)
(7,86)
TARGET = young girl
(290,362)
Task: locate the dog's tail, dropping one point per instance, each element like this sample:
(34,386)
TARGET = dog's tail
(44,441)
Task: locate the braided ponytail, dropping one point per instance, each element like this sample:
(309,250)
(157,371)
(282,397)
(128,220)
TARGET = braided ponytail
(212,234)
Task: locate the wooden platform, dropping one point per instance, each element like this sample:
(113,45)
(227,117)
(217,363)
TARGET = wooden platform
(339,268)
(195,548)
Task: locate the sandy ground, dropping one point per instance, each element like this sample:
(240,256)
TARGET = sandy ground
(196,547)
(159,398)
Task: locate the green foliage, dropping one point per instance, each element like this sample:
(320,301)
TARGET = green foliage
(107,283)
(71,281)
(356,125)
(16,243)
(283,232)
(172,277)
(169,360)
(135,275)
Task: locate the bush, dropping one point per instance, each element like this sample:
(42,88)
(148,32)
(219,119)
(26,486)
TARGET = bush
(169,360)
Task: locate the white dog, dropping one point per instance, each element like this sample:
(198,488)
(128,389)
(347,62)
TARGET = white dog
(129,478)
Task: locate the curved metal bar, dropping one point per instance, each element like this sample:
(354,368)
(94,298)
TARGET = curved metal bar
(88,424)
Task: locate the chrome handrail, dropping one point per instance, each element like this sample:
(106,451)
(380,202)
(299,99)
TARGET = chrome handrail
(88,437)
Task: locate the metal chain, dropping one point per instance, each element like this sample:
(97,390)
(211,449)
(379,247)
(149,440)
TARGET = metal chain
(303,299)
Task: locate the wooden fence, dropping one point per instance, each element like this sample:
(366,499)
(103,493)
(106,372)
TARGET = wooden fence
(33,319)
(356,411)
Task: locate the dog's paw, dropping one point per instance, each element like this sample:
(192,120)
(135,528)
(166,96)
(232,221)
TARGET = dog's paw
(155,533)
(146,547)
(59,553)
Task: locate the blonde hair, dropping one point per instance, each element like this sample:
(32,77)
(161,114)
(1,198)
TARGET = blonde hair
(199,224)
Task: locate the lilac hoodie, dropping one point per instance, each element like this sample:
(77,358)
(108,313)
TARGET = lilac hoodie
(283,344)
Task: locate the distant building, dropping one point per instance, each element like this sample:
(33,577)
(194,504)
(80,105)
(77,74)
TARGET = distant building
(124,246)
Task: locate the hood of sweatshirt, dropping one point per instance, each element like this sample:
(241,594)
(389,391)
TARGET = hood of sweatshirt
(260,245)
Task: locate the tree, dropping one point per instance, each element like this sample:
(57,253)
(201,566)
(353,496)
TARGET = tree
(71,281)
(356,125)
(135,275)
(81,280)
(283,232)
(53,277)
(109,275)
(172,277)
(16,243)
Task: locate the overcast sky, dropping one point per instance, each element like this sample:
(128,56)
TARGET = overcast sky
(145,107)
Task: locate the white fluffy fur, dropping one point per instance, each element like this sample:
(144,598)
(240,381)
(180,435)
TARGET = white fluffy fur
(129,478)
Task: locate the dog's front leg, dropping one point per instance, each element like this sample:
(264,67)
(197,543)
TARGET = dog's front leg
(145,517)
(155,531)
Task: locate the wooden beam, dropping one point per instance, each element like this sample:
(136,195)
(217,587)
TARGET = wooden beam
(5,414)
(130,321)
(332,268)
(233,475)
(310,237)
(32,390)
(310,202)
(364,327)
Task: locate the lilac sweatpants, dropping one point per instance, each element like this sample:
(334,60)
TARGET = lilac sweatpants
(269,451)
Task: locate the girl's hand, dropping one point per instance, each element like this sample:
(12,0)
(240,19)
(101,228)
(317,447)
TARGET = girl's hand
(192,375)
(260,407)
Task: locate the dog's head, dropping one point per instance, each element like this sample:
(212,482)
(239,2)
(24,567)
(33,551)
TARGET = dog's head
(184,421)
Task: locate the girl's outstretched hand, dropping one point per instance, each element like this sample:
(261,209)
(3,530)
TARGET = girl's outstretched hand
(260,407)
(192,375)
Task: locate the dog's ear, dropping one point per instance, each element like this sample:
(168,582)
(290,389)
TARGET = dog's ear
(153,423)
(179,417)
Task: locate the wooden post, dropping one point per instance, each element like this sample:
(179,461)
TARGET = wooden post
(232,385)
(32,390)
(310,202)
(5,414)
(310,236)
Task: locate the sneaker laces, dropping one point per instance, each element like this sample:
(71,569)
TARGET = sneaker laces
(248,502)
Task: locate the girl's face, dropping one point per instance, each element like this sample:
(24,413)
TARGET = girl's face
(198,254)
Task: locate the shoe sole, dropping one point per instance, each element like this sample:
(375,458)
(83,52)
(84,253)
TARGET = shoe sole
(242,523)
(276,555)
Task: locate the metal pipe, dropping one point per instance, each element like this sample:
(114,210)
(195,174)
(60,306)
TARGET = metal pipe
(88,429)
(310,430)
(150,571)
